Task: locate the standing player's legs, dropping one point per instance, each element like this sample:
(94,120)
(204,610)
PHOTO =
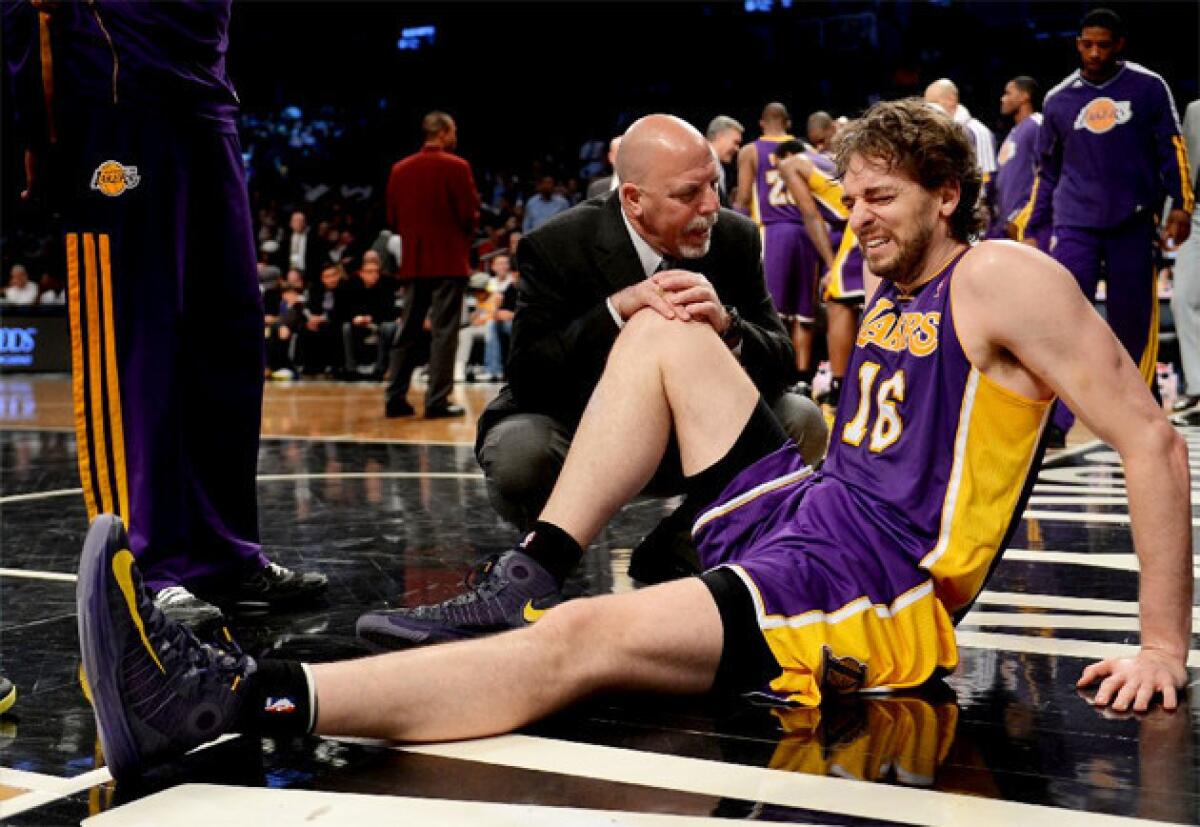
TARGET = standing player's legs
(131,250)
(445,315)
(789,265)
(220,359)
(843,302)
(1079,250)
(417,299)
(1132,301)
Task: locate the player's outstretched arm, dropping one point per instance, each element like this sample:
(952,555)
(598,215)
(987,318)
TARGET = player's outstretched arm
(1034,326)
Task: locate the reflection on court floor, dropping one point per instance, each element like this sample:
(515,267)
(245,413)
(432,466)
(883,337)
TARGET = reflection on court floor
(1006,738)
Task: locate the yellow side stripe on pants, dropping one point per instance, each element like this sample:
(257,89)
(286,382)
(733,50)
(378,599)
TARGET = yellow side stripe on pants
(104,497)
(78,368)
(116,423)
(99,427)
(1148,364)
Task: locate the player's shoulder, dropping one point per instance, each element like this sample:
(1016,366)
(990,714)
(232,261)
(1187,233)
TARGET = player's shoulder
(998,267)
(1140,73)
(1054,96)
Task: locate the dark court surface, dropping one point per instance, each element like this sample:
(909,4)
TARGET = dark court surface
(401,523)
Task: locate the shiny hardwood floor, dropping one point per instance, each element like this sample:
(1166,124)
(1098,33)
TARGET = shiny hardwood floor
(302,408)
(305,408)
(395,511)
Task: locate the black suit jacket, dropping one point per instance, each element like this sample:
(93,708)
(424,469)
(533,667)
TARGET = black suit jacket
(316,255)
(600,186)
(563,331)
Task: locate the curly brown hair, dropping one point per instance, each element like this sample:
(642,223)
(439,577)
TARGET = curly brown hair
(923,142)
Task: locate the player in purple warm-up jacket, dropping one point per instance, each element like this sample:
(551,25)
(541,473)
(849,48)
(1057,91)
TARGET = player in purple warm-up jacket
(130,123)
(1016,163)
(1110,151)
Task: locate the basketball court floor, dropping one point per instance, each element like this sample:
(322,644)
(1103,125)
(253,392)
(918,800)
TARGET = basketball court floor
(395,512)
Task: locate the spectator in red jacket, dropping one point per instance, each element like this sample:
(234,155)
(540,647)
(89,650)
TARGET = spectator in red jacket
(432,204)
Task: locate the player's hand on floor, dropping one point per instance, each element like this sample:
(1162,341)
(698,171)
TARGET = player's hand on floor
(1127,683)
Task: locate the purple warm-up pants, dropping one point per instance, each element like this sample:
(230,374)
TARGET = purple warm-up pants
(167,335)
(1124,257)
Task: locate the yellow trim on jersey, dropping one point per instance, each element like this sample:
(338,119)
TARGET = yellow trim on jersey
(755,212)
(95,346)
(78,375)
(836,289)
(115,421)
(1148,364)
(1185,181)
(829,192)
(898,645)
(995,444)
(1021,220)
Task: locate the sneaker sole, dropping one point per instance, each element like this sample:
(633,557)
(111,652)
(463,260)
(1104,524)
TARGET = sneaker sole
(380,631)
(99,647)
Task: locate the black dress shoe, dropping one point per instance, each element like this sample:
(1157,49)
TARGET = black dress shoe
(398,408)
(273,587)
(666,553)
(445,412)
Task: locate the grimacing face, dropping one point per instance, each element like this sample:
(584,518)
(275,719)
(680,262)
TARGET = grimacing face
(892,215)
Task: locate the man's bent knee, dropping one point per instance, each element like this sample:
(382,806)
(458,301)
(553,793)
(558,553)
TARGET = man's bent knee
(803,421)
(521,457)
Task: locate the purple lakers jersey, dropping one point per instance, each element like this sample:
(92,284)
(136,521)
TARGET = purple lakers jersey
(1108,151)
(939,454)
(770,201)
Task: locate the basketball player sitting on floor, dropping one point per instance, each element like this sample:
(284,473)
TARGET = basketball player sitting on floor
(845,578)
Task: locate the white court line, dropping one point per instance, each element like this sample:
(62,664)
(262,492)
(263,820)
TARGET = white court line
(365,475)
(346,475)
(48,788)
(40,495)
(1080,517)
(38,575)
(1113,488)
(1018,620)
(373,440)
(203,805)
(1054,601)
(1054,646)
(1090,498)
(789,789)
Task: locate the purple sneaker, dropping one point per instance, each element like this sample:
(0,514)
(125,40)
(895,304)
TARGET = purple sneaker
(506,592)
(157,691)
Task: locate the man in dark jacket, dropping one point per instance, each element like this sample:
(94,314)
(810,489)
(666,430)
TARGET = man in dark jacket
(432,204)
(660,240)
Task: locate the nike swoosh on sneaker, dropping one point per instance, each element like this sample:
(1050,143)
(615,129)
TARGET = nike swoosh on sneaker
(532,614)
